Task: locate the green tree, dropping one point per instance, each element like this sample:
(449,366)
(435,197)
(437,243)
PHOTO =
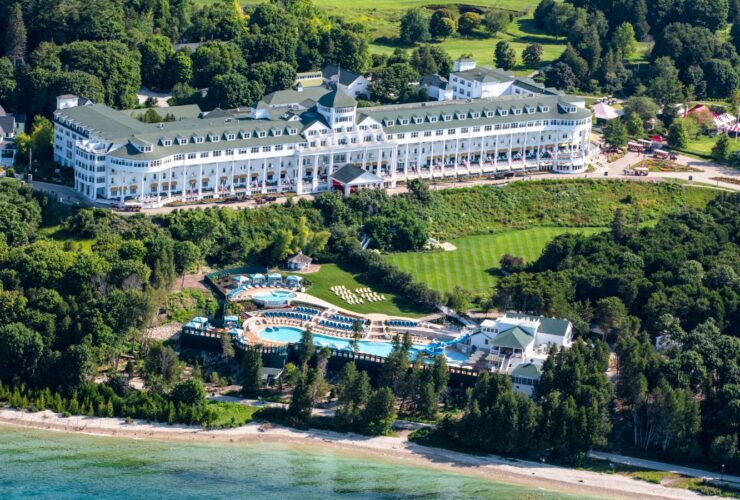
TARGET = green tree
(468,23)
(442,23)
(300,402)
(721,148)
(623,40)
(306,348)
(187,256)
(251,376)
(179,68)
(380,413)
(678,135)
(156,53)
(21,351)
(8,82)
(189,392)
(15,34)
(215,58)
(634,126)
(232,91)
(665,86)
(414,27)
(496,20)
(615,133)
(532,55)
(393,82)
(504,56)
(42,140)
(610,314)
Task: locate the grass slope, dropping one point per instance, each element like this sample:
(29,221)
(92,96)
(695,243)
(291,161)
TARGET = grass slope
(461,212)
(475,264)
(332,275)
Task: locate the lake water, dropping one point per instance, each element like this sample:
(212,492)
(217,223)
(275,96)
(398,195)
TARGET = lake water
(45,464)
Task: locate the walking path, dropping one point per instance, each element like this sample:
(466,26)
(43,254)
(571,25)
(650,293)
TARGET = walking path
(677,469)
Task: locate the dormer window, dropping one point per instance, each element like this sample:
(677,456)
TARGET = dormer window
(213,138)
(403,121)
(489,114)
(197,139)
(276,132)
(503,112)
(231,137)
(166,142)
(544,108)
(460,116)
(292,131)
(432,119)
(417,119)
(260,133)
(243,134)
(388,122)
(528,109)
(474,115)
(516,111)
(182,141)
(446,118)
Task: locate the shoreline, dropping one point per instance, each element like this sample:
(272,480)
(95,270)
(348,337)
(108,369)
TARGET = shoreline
(395,449)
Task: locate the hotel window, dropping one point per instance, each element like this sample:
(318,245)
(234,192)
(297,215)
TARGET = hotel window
(191,156)
(204,155)
(401,136)
(167,143)
(255,150)
(476,129)
(214,138)
(432,119)
(261,133)
(266,149)
(217,153)
(179,157)
(390,137)
(229,152)
(464,130)
(451,131)
(403,121)
(504,112)
(231,137)
(428,133)
(439,132)
(414,135)
(488,128)
(277,133)
(198,140)
(279,147)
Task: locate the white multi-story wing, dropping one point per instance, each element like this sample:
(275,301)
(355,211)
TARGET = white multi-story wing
(293,141)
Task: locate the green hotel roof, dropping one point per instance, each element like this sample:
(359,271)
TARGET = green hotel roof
(550,326)
(527,370)
(514,338)
(118,128)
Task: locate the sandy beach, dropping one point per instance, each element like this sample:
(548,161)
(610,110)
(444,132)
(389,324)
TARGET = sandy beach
(395,448)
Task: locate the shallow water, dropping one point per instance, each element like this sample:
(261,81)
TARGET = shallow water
(45,464)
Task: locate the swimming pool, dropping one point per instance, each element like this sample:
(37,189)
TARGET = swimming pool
(290,335)
(275,298)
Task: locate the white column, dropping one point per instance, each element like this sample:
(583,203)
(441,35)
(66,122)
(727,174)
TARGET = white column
(457,155)
(200,181)
(231,181)
(299,175)
(315,173)
(406,163)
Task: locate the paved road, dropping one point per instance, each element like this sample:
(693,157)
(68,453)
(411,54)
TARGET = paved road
(651,464)
(64,194)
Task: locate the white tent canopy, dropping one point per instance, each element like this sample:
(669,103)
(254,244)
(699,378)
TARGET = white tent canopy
(603,111)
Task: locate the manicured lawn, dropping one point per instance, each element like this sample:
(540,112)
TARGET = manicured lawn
(333,275)
(58,233)
(703,145)
(475,264)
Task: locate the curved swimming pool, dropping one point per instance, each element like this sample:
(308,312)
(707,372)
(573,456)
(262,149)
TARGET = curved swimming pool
(290,335)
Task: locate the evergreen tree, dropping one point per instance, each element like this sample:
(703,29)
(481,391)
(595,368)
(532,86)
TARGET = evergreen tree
(532,55)
(634,126)
(505,56)
(678,136)
(721,149)
(251,378)
(300,403)
(15,34)
(306,348)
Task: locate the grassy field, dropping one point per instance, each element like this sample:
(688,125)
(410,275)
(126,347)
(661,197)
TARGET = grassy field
(475,264)
(232,414)
(58,233)
(702,145)
(332,275)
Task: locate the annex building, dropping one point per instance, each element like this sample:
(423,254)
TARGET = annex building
(296,140)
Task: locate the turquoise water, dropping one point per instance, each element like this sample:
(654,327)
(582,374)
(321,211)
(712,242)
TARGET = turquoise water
(291,335)
(43,464)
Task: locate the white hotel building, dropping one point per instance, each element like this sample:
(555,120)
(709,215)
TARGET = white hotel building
(293,141)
